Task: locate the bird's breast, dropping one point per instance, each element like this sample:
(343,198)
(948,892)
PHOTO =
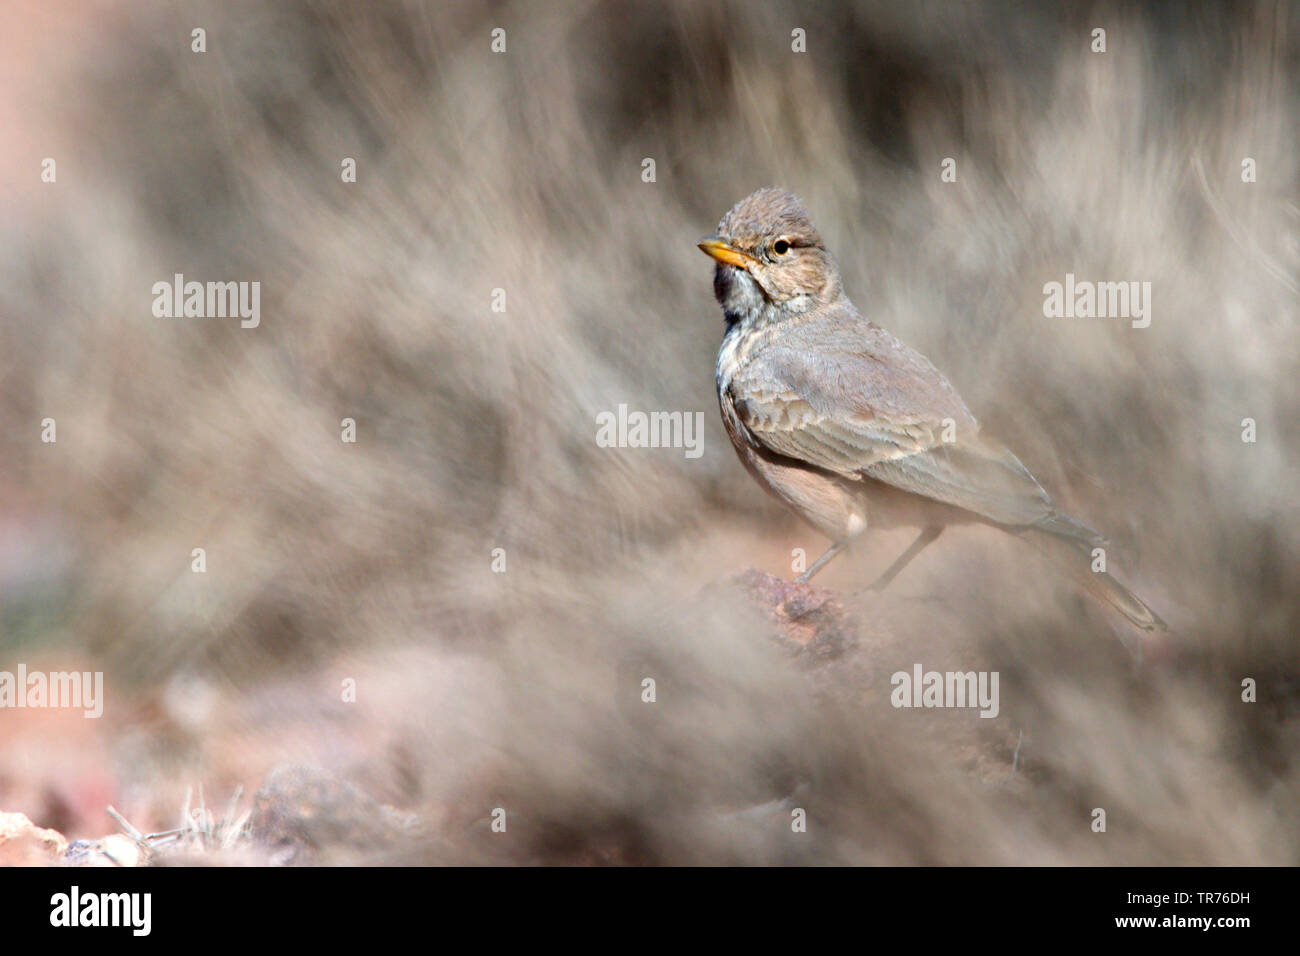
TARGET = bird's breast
(740,343)
(728,359)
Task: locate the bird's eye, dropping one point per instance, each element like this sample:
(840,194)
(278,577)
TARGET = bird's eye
(780,247)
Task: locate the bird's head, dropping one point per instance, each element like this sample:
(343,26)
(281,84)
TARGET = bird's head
(771,260)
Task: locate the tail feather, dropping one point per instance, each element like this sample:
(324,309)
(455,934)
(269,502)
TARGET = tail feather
(1071,543)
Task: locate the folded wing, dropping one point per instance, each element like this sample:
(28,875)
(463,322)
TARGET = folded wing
(859,403)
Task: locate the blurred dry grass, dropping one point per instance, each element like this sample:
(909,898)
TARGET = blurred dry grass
(476,429)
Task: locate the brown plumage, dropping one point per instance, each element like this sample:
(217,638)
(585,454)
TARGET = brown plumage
(849,426)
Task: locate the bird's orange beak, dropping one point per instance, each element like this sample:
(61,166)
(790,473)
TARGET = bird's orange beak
(723,251)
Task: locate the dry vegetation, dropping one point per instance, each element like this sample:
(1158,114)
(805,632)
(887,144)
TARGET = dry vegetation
(476,430)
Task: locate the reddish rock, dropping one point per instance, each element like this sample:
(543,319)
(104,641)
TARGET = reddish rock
(809,619)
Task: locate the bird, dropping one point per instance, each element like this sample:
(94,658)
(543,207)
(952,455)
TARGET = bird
(850,427)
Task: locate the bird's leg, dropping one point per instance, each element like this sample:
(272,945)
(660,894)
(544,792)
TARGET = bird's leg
(924,538)
(820,563)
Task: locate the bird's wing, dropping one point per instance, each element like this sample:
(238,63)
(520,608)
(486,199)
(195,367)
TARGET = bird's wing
(867,405)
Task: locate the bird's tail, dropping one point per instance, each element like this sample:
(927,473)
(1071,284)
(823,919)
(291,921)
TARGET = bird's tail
(1071,543)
